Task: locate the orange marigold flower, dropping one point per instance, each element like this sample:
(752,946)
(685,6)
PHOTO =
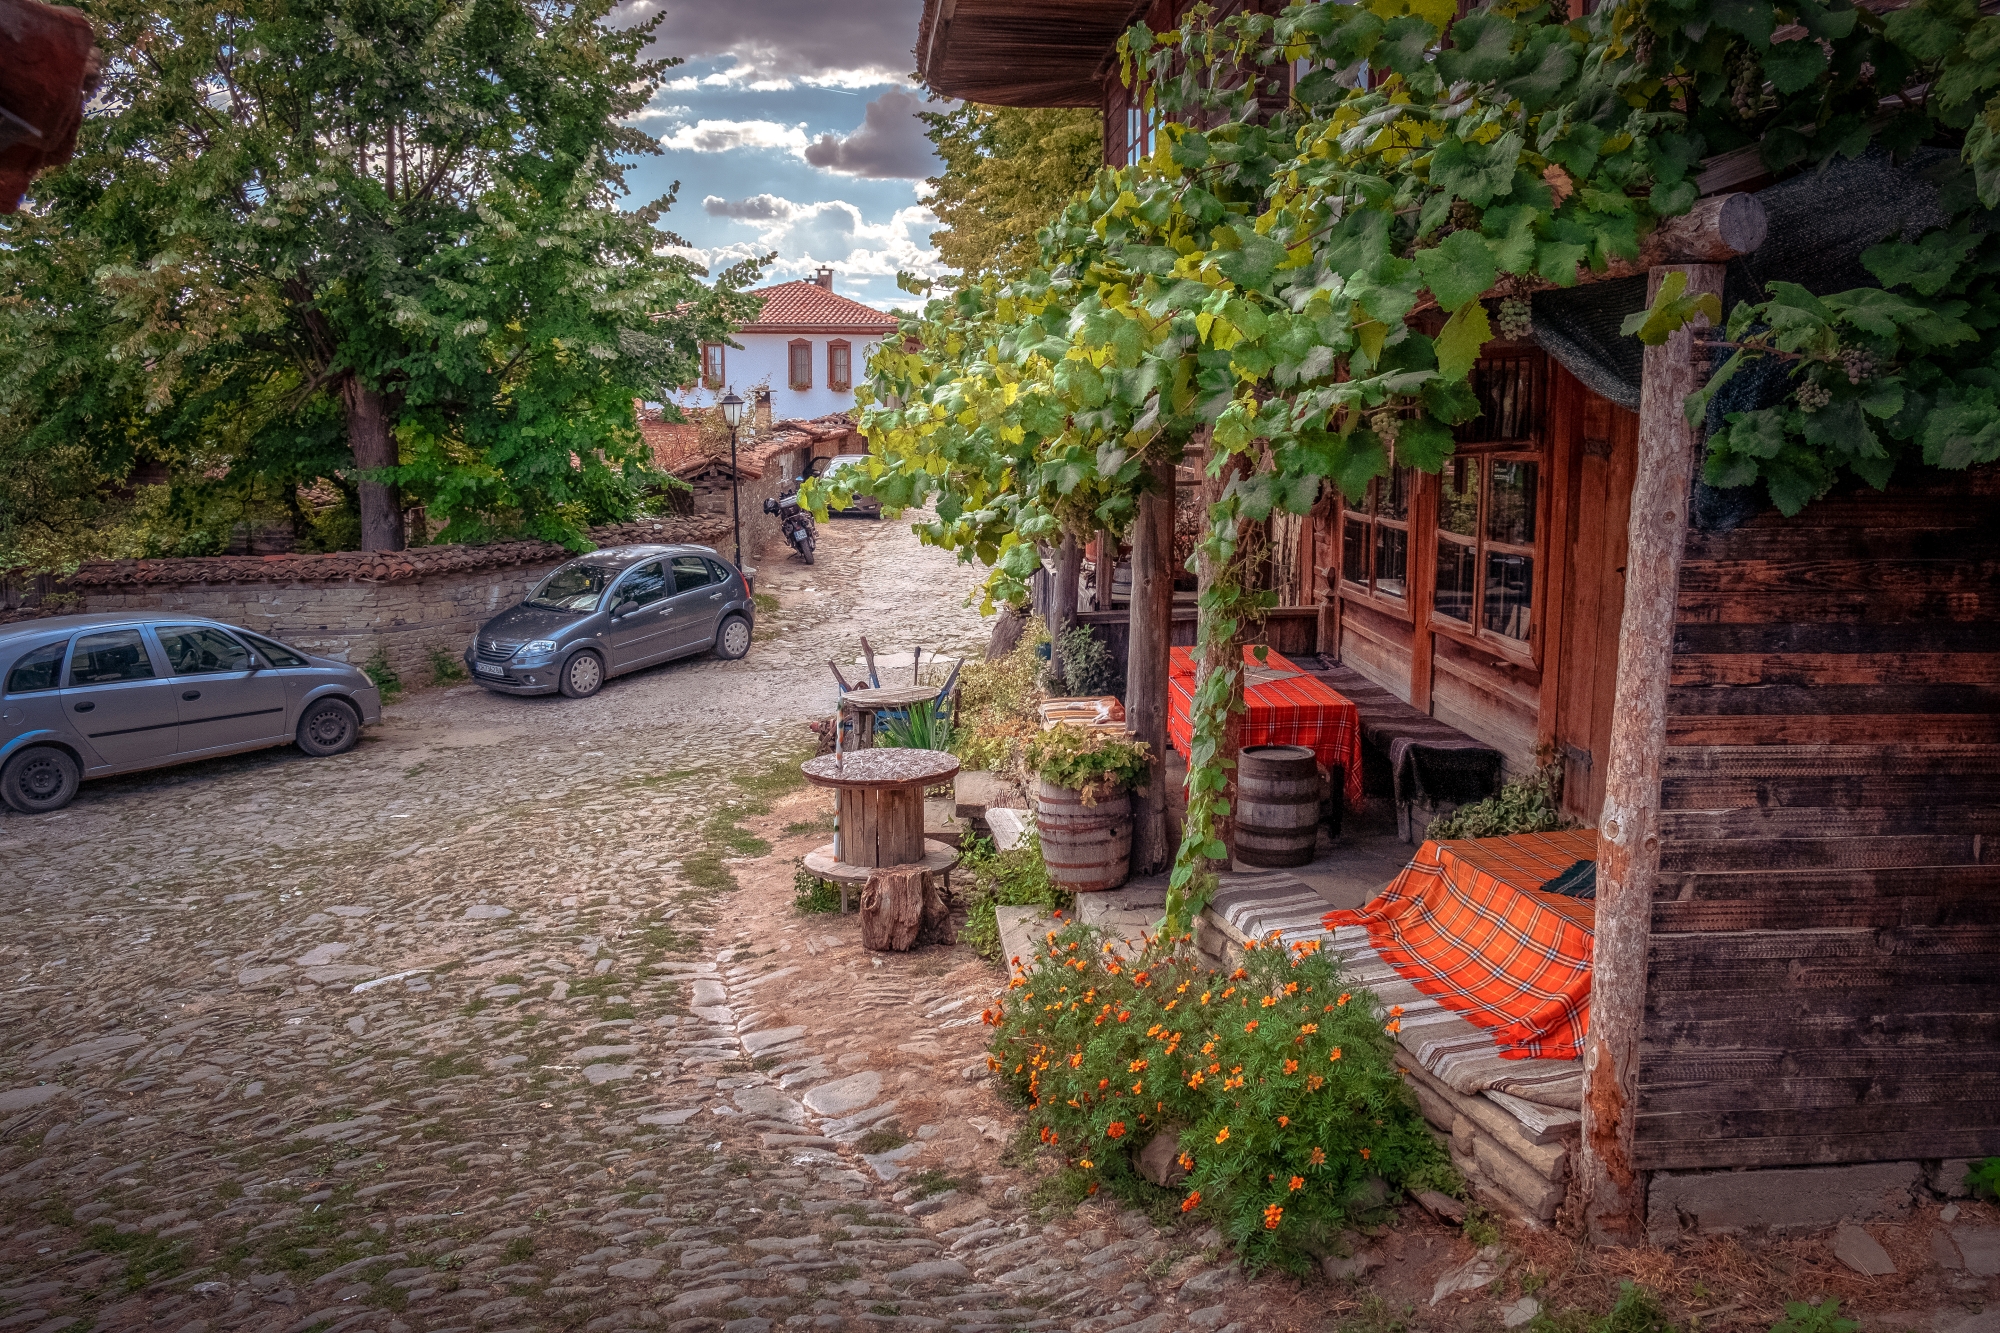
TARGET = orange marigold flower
(1136,1065)
(1215,1068)
(1208,1047)
(1268,1002)
(1115,1130)
(1298,1183)
(1394,1025)
(1103,1083)
(1291,1066)
(1365,1154)
(1186,1160)
(1076,1061)
(1192,1202)
(1153,1031)
(1395,1009)
(1205,995)
(1223,1136)
(1314,1083)
(1085,1163)
(1335,1055)
(1239,974)
(1308,1028)
(1318,1157)
(1283,1121)
(1138,1087)
(1291,988)
(1124,1014)
(1272,1216)
(1196,1079)
(1251,1026)
(1182,988)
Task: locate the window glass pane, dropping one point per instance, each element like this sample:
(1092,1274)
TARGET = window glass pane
(1510,503)
(276,653)
(691,571)
(1457,581)
(39,670)
(837,366)
(1458,499)
(573,587)
(802,366)
(645,585)
(1510,585)
(1392,561)
(195,649)
(1354,550)
(117,654)
(1392,494)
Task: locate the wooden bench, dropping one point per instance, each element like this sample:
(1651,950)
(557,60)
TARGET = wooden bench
(1426,767)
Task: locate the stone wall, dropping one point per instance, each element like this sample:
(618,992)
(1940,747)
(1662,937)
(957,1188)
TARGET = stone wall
(352,605)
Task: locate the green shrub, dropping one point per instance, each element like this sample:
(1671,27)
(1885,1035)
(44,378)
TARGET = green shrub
(1804,1317)
(918,727)
(811,894)
(996,704)
(1085,665)
(445,668)
(1530,804)
(1013,878)
(377,669)
(1984,1179)
(1089,762)
(1277,1080)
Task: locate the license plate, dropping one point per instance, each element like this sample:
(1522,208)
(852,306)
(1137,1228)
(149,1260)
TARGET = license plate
(488,669)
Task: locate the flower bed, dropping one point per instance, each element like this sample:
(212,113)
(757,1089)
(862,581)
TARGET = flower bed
(1276,1080)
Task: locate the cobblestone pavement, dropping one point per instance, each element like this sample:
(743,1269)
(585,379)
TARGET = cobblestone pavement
(457,1031)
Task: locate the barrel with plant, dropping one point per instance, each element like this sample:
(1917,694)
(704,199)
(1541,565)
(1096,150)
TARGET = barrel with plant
(1083,806)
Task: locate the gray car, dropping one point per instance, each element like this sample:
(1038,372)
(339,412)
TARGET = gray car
(610,612)
(88,696)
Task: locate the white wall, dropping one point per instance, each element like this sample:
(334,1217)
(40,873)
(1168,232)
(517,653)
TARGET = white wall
(763,360)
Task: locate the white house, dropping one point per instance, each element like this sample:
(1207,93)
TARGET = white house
(805,348)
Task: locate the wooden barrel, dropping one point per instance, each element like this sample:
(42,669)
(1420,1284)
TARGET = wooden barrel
(1086,847)
(1277,805)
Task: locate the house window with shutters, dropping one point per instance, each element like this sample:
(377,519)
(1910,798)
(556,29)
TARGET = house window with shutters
(839,365)
(801,376)
(711,365)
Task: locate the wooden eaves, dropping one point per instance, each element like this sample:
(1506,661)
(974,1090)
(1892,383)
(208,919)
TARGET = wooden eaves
(1023,53)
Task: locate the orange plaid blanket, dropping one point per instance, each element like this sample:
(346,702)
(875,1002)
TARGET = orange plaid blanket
(1464,922)
(1286,707)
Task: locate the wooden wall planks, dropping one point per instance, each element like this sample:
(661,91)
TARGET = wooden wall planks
(1821,983)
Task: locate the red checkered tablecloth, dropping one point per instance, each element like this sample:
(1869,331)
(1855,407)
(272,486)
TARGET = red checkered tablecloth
(1295,710)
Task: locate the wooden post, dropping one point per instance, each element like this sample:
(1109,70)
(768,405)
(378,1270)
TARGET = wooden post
(1611,1191)
(1107,570)
(1062,601)
(1146,661)
(1226,654)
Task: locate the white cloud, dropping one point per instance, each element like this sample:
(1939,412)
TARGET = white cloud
(889,145)
(657,113)
(720,136)
(774,44)
(828,232)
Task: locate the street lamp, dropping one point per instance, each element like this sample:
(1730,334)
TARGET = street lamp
(732,413)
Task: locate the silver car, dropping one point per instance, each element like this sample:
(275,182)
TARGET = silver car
(88,696)
(610,612)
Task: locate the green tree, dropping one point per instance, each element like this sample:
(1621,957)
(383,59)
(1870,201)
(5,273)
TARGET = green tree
(377,241)
(1007,172)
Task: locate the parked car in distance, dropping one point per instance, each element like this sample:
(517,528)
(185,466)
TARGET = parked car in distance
(610,612)
(827,469)
(91,695)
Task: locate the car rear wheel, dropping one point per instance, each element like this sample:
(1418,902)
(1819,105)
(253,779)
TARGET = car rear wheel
(582,675)
(732,638)
(329,727)
(39,779)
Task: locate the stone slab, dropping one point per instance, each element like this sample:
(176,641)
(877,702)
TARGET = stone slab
(1780,1199)
(1021,930)
(1861,1252)
(844,1096)
(1009,827)
(1980,1245)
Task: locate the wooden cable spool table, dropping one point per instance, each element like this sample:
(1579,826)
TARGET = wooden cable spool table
(865,704)
(880,813)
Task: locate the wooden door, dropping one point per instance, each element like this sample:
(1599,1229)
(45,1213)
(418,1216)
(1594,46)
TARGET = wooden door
(1604,443)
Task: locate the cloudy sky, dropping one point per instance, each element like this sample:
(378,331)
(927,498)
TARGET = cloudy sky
(791,128)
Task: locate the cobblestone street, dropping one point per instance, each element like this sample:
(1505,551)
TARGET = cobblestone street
(466,1029)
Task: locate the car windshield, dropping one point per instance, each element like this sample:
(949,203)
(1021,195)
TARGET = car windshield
(574,587)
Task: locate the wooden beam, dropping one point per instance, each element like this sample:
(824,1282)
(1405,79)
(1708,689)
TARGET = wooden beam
(1062,600)
(1612,1192)
(1147,657)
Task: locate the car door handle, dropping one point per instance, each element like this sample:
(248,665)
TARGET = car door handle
(715,597)
(190,694)
(85,708)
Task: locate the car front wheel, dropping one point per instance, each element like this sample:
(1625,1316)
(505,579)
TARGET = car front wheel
(732,640)
(39,779)
(329,727)
(582,675)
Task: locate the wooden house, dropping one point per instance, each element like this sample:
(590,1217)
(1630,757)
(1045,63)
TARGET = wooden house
(1786,731)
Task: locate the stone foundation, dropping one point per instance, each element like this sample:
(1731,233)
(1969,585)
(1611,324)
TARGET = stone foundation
(1776,1199)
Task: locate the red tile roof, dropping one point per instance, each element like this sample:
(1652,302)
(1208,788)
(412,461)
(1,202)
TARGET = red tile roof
(807,307)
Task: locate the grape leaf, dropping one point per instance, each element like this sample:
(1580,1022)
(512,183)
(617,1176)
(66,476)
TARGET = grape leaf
(1458,343)
(1459,269)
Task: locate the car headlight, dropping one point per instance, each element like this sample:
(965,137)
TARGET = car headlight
(536,648)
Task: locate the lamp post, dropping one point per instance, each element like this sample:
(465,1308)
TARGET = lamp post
(732,413)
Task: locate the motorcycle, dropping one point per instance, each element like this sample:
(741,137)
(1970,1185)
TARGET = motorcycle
(796,523)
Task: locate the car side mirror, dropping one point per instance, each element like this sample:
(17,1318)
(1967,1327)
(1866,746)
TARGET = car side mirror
(624,608)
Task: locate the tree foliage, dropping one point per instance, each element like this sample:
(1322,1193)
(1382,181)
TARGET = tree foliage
(1007,172)
(287,215)
(1267,281)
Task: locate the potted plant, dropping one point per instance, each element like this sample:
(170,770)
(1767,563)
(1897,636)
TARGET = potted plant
(1082,807)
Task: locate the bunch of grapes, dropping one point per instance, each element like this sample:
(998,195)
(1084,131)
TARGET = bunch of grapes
(1746,81)
(1385,423)
(1860,364)
(1514,318)
(1813,395)
(1642,47)
(1464,217)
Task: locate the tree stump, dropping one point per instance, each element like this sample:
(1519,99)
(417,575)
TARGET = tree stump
(892,907)
(936,925)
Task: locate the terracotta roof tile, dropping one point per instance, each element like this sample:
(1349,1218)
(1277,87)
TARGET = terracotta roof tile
(793,307)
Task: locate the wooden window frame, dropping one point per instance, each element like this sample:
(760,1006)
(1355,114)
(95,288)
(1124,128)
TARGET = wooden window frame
(793,361)
(1367,518)
(716,380)
(836,381)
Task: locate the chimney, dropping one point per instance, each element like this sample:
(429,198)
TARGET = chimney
(824,278)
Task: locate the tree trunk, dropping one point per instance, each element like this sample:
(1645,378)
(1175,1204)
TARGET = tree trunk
(1146,659)
(1225,652)
(1062,602)
(374,446)
(1007,628)
(1610,1190)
